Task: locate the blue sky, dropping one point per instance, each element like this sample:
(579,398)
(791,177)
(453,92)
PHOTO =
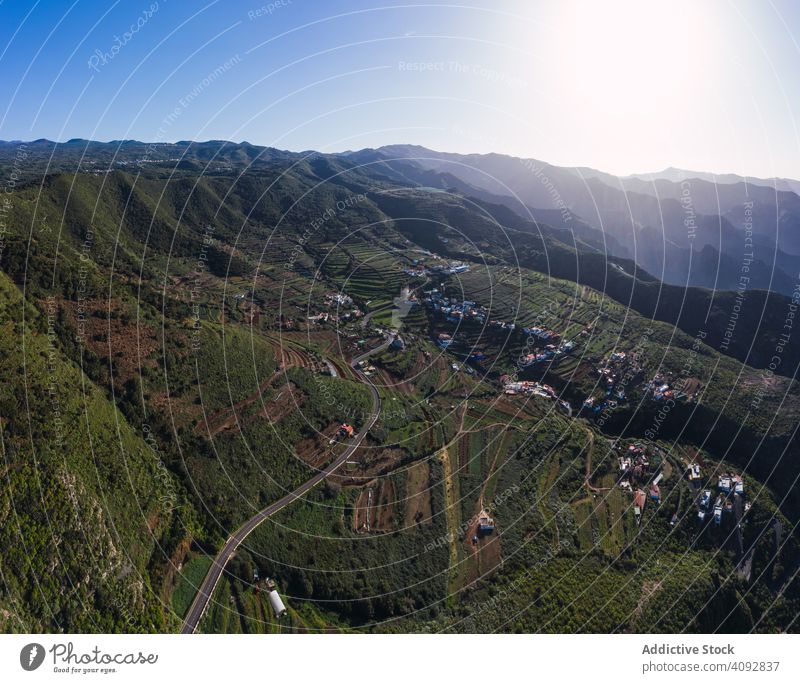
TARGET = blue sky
(622,86)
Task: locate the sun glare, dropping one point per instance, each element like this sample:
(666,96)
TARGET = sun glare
(641,68)
(633,52)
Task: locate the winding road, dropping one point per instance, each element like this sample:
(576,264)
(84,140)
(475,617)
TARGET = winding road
(203,597)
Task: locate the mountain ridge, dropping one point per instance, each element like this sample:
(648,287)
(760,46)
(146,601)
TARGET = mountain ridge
(667,220)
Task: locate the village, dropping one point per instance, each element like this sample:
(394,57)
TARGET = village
(639,467)
(620,371)
(730,498)
(340,302)
(641,470)
(419,269)
(550,352)
(615,372)
(642,474)
(457,311)
(452,309)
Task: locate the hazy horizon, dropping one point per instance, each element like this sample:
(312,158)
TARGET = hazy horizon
(467,152)
(625,87)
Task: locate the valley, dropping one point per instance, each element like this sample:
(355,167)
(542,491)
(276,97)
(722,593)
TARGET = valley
(400,407)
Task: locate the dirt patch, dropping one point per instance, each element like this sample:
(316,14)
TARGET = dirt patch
(485,555)
(285,401)
(375,507)
(396,382)
(462,448)
(385,517)
(292,357)
(691,386)
(288,399)
(420,365)
(174,565)
(112,333)
(225,417)
(649,589)
(152,521)
(484,549)
(342,368)
(314,451)
(444,374)
(372,462)
(362,512)
(755,380)
(418,495)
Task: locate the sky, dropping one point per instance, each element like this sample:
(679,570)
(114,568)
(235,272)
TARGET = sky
(625,86)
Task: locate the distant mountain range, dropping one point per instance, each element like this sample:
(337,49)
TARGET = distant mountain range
(686,228)
(677,175)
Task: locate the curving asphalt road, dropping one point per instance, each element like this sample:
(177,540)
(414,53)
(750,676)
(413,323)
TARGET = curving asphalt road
(203,597)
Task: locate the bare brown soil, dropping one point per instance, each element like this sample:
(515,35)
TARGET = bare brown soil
(112,333)
(375,507)
(362,518)
(385,516)
(225,418)
(418,495)
(372,462)
(176,561)
(314,451)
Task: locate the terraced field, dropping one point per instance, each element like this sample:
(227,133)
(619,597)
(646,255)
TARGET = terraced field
(367,273)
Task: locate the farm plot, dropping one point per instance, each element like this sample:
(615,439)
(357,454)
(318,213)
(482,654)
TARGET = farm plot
(418,495)
(604,520)
(375,507)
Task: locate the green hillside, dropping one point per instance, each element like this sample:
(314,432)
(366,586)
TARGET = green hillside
(176,354)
